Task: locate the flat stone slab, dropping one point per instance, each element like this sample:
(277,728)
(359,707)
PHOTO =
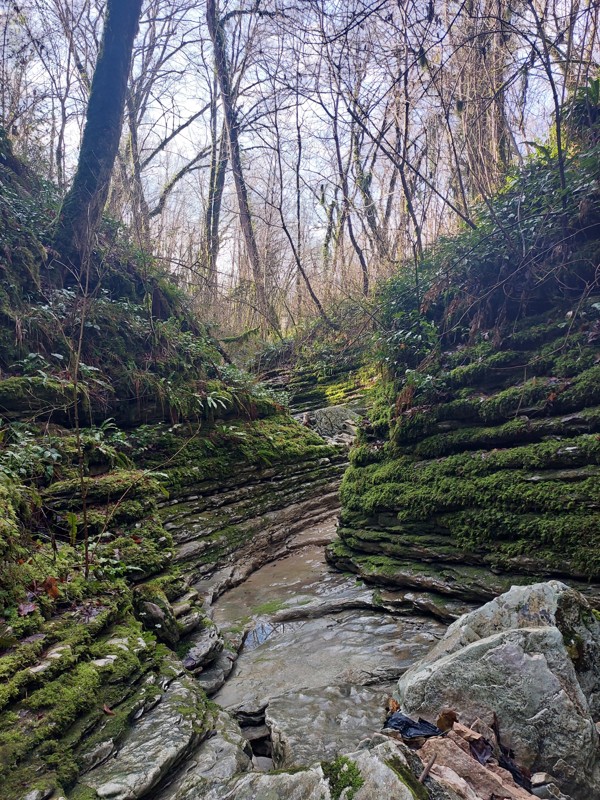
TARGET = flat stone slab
(350,647)
(319,724)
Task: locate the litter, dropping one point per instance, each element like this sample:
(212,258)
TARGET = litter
(409,729)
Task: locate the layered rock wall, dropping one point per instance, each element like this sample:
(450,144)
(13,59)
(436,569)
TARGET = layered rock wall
(92,689)
(490,470)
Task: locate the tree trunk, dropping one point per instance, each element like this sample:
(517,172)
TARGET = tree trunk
(218,167)
(217,35)
(82,207)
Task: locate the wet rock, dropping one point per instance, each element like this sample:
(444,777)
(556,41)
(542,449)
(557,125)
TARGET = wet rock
(251,714)
(188,623)
(156,742)
(383,770)
(373,675)
(444,608)
(213,763)
(309,784)
(315,724)
(326,651)
(256,732)
(213,677)
(205,646)
(179,609)
(97,755)
(186,603)
(531,657)
(327,605)
(38,794)
(388,771)
(425,573)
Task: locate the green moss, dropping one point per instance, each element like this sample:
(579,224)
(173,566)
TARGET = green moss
(26,395)
(364,454)
(144,552)
(418,790)
(342,774)
(118,485)
(482,369)
(49,712)
(267,608)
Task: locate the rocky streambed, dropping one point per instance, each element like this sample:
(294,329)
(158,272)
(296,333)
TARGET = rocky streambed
(258,670)
(300,659)
(318,653)
(314,656)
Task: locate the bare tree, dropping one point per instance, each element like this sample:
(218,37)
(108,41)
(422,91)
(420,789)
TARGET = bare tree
(217,33)
(82,208)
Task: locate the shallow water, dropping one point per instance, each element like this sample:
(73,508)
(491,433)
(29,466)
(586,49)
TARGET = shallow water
(338,633)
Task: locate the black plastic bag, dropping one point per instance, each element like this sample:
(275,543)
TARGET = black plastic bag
(409,729)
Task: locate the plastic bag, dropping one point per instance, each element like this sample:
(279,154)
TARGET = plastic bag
(409,729)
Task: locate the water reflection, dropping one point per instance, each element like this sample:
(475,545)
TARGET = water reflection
(265,630)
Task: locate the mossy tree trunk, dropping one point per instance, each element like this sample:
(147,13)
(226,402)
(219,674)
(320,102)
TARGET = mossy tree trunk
(83,206)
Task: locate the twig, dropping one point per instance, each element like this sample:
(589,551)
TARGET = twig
(427,769)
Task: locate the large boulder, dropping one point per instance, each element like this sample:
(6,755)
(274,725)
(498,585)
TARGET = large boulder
(531,657)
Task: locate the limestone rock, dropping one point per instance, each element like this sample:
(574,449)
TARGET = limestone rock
(206,645)
(531,658)
(158,620)
(39,794)
(213,677)
(315,724)
(384,771)
(189,622)
(262,763)
(155,744)
(97,755)
(308,784)
(335,421)
(216,760)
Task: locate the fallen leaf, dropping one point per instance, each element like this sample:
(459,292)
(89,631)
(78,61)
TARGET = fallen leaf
(108,710)
(50,586)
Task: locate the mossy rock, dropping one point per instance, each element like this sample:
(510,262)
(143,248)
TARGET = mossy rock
(26,396)
(155,613)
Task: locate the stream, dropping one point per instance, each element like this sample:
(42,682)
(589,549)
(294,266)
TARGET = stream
(319,652)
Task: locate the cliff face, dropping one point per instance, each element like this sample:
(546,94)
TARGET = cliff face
(479,466)
(499,482)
